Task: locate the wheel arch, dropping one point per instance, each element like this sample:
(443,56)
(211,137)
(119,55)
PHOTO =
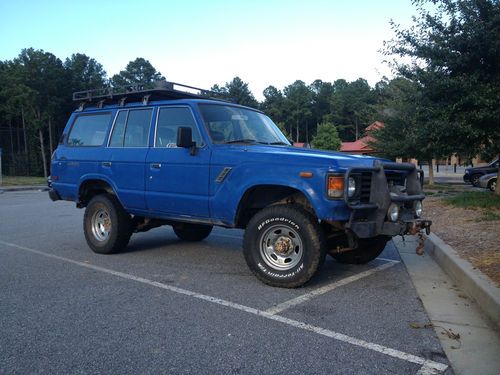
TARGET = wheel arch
(259,196)
(91,186)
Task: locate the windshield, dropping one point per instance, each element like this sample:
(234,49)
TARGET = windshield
(228,124)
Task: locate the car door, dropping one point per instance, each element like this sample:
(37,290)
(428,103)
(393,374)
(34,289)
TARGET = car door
(177,180)
(126,155)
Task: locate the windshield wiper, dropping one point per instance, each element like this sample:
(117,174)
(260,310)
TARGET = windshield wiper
(243,140)
(278,143)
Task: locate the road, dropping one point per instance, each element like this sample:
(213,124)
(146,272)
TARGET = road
(170,307)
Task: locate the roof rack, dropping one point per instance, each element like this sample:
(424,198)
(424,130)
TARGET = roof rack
(142,92)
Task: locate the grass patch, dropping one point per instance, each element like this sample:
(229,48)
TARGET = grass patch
(441,188)
(23,180)
(490,216)
(474,200)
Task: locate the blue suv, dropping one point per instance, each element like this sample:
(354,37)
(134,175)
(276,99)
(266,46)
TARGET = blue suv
(140,158)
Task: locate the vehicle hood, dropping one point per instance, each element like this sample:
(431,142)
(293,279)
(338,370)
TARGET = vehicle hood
(300,156)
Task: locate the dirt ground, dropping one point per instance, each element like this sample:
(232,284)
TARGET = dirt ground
(476,240)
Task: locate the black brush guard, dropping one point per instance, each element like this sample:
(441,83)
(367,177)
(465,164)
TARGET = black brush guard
(370,204)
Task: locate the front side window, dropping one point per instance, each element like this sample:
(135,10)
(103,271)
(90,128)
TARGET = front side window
(228,124)
(89,130)
(169,121)
(131,128)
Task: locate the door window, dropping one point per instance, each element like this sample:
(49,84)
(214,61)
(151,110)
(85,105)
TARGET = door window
(169,120)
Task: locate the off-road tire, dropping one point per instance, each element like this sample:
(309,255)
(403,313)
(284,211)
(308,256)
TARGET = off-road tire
(368,249)
(289,229)
(192,232)
(107,226)
(474,179)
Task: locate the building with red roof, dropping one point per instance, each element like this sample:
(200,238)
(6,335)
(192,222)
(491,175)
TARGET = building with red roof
(362,146)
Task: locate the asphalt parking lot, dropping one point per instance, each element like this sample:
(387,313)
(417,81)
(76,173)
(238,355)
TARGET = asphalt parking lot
(166,306)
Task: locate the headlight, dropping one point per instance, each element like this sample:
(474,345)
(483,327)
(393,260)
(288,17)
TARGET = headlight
(393,212)
(418,208)
(351,187)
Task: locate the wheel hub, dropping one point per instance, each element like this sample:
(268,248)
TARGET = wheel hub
(281,247)
(101,225)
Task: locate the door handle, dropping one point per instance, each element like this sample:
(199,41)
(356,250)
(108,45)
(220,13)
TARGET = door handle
(156,165)
(106,164)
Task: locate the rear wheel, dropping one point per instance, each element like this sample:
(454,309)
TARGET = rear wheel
(192,232)
(107,226)
(284,246)
(368,249)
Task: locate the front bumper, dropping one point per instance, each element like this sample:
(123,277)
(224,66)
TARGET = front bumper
(369,209)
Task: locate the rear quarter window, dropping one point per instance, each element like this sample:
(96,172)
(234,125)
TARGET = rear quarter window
(89,130)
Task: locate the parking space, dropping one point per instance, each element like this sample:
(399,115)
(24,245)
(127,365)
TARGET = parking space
(166,306)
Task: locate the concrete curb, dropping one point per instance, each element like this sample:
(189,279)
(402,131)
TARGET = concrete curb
(478,286)
(5,189)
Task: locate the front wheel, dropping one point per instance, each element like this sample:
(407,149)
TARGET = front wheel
(492,185)
(192,232)
(367,250)
(107,226)
(284,246)
(474,180)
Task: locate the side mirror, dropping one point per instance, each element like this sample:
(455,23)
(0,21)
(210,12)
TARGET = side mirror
(185,139)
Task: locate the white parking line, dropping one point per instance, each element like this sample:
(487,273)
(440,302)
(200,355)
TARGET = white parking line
(328,288)
(427,369)
(440,367)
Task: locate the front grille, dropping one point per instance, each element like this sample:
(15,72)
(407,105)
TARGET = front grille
(366,185)
(395,178)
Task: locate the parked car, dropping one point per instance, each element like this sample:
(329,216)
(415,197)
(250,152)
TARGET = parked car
(472,175)
(489,181)
(141,158)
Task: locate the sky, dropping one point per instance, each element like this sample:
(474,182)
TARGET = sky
(201,43)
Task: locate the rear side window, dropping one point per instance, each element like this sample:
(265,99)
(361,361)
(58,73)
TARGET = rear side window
(131,128)
(89,130)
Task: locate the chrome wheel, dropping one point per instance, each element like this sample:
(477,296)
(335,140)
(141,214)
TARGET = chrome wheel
(101,225)
(281,247)
(493,185)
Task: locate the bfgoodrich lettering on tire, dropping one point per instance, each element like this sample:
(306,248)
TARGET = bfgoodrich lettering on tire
(106,225)
(284,246)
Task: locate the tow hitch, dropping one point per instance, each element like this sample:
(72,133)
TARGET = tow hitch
(415,228)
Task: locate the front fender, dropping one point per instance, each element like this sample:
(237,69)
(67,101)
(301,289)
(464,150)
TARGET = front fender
(227,195)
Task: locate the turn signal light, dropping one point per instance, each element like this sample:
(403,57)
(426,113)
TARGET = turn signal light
(335,186)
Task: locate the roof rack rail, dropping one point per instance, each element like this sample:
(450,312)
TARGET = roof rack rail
(143,92)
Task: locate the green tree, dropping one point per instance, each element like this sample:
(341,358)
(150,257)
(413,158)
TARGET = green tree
(298,110)
(274,104)
(138,71)
(352,107)
(85,72)
(412,129)
(453,53)
(326,138)
(236,90)
(46,80)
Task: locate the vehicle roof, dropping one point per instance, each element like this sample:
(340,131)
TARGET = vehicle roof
(113,106)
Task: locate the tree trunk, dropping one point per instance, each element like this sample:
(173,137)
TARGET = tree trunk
(297,130)
(431,172)
(24,132)
(497,189)
(42,150)
(13,166)
(307,132)
(51,146)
